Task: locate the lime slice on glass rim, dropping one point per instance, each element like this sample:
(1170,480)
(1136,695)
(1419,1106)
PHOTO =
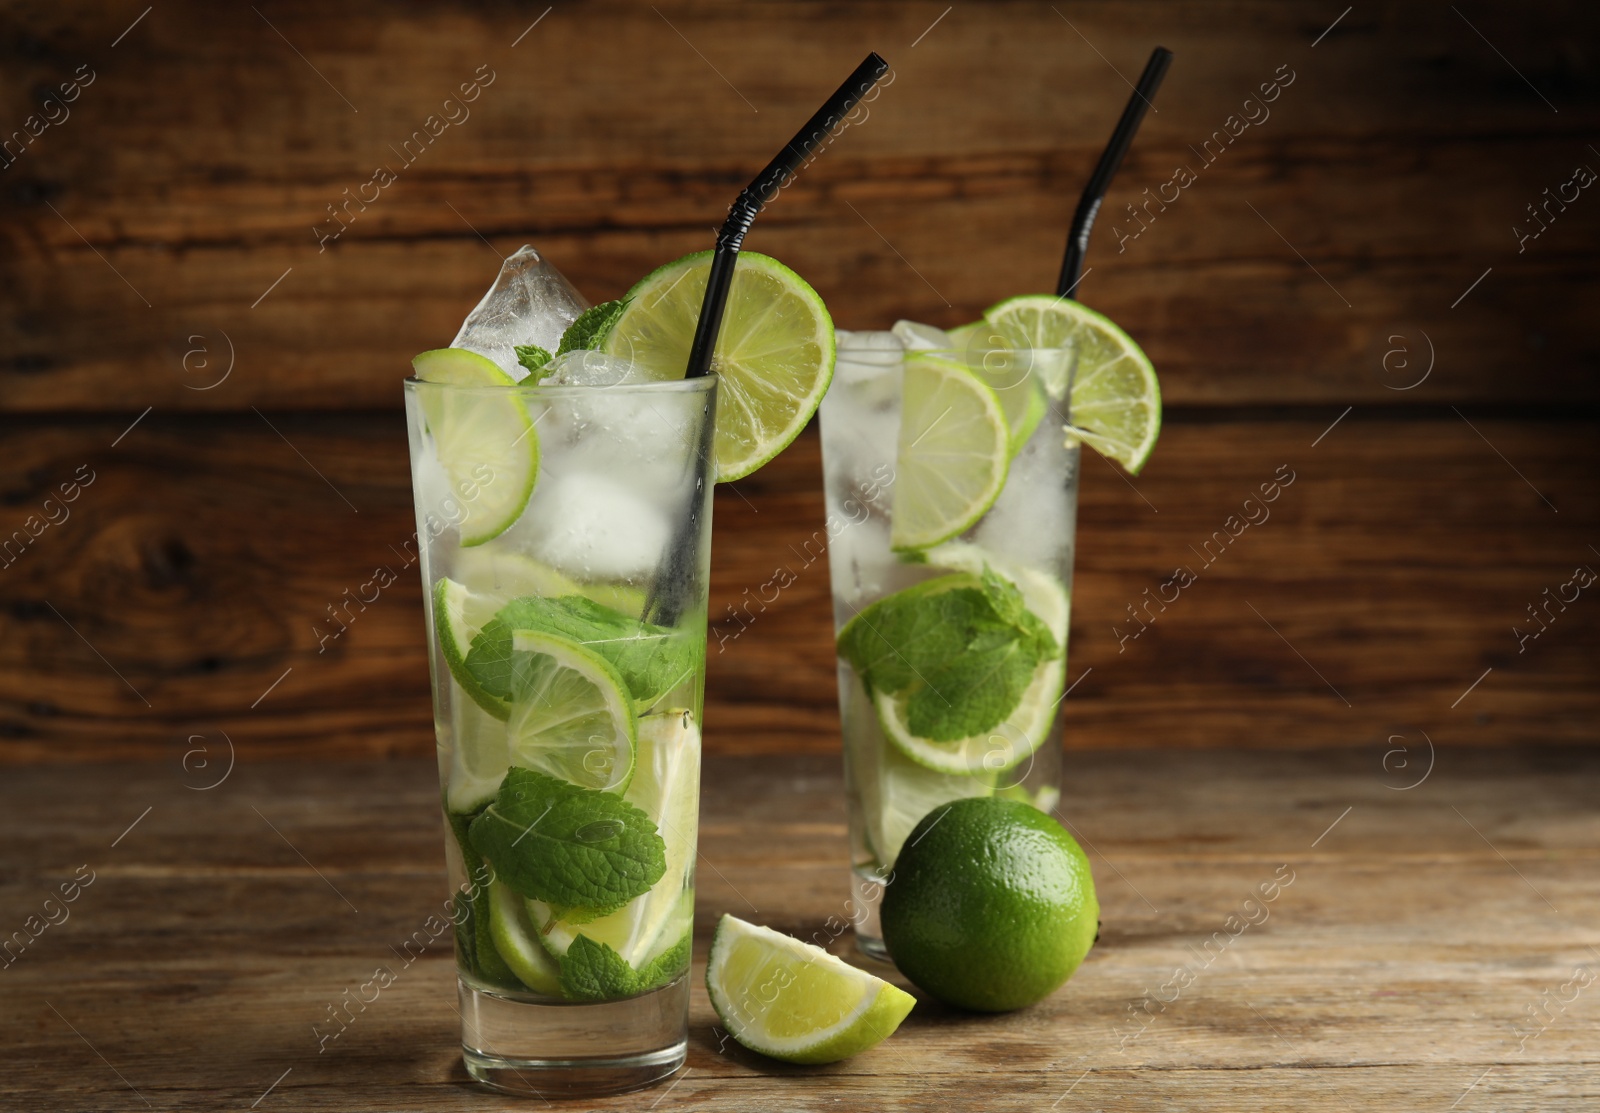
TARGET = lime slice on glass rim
(485,441)
(953,452)
(796,1002)
(572,716)
(1115,406)
(774,355)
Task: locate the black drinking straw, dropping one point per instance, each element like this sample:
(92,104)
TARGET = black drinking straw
(667,598)
(742,213)
(1094,193)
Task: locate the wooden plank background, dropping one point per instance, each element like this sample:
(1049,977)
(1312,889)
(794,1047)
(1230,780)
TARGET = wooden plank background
(172,329)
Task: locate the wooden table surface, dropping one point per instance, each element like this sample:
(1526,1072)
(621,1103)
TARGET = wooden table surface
(1431,945)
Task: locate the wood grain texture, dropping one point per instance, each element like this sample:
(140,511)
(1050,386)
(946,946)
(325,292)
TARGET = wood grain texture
(1371,193)
(197,570)
(162,282)
(1399,968)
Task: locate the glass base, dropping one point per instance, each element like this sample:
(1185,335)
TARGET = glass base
(867,891)
(560,1049)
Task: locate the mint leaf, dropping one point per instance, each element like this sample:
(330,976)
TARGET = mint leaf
(652,660)
(592,971)
(533,358)
(1006,599)
(591,327)
(961,648)
(565,845)
(976,691)
(921,623)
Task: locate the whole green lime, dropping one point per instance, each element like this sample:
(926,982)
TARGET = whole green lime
(991,906)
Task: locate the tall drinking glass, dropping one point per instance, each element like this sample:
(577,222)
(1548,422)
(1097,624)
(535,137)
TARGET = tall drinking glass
(566,615)
(989,735)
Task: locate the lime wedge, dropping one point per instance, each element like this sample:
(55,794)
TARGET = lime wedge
(458,615)
(1116,401)
(796,1002)
(518,944)
(774,355)
(485,441)
(571,716)
(667,789)
(993,751)
(953,452)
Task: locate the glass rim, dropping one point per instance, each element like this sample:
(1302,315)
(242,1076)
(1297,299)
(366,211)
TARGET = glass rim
(699,384)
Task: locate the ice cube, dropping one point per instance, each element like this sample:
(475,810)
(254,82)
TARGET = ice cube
(923,338)
(861,411)
(440,508)
(592,527)
(530,303)
(866,355)
(644,439)
(1033,518)
(583,368)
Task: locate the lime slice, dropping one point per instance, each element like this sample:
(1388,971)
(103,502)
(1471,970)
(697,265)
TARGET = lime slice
(458,615)
(774,356)
(996,362)
(993,751)
(1116,401)
(667,789)
(796,1002)
(517,941)
(572,717)
(953,452)
(485,442)
(510,575)
(479,757)
(895,791)
(676,934)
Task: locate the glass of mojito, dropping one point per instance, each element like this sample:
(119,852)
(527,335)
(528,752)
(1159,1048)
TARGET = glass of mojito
(950,460)
(562,468)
